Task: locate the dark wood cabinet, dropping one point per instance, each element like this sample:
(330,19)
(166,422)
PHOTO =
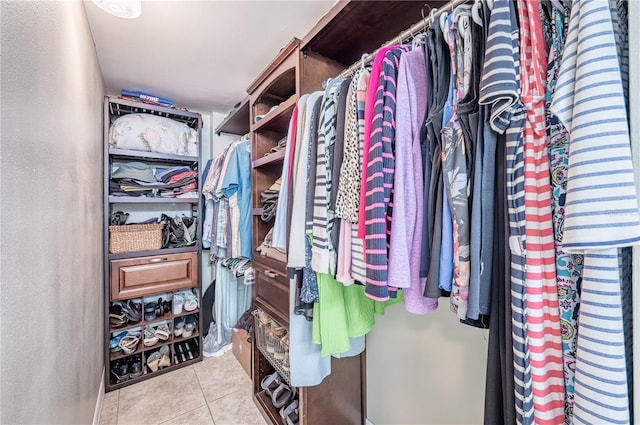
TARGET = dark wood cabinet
(136,277)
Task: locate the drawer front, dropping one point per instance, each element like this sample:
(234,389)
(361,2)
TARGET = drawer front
(272,291)
(135,277)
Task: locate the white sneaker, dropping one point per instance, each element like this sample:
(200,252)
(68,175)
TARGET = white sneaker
(178,303)
(191,301)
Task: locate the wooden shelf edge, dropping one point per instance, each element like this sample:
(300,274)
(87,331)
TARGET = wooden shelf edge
(237,121)
(269,159)
(284,53)
(123,255)
(147,200)
(284,108)
(152,155)
(263,402)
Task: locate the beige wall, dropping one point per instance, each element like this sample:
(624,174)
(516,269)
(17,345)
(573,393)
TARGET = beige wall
(425,370)
(51,214)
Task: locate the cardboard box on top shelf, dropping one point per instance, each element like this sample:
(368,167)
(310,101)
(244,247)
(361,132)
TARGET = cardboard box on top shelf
(242,349)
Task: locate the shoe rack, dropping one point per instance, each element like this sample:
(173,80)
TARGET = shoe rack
(151,296)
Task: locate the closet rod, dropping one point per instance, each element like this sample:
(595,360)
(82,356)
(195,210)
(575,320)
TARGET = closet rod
(404,36)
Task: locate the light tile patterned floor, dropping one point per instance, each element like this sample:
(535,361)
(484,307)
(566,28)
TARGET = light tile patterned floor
(216,391)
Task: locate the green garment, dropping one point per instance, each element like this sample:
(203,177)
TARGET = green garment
(343,312)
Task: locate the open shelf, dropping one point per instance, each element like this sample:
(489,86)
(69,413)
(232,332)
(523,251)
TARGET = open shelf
(119,106)
(278,119)
(134,254)
(150,200)
(127,154)
(237,122)
(272,158)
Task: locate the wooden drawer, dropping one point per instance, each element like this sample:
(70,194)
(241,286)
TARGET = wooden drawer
(135,277)
(271,290)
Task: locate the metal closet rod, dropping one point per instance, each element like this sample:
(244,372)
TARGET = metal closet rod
(404,36)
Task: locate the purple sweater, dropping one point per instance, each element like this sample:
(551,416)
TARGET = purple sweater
(406,227)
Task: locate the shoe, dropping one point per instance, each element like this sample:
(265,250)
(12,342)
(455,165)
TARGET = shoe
(270,382)
(166,307)
(129,343)
(289,414)
(150,338)
(162,332)
(133,311)
(119,372)
(135,367)
(165,359)
(153,361)
(117,318)
(178,326)
(190,301)
(150,311)
(189,326)
(114,343)
(178,303)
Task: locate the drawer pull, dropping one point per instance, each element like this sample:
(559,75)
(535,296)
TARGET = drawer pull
(270,274)
(158,260)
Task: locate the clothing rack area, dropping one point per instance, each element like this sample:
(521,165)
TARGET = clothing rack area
(442,175)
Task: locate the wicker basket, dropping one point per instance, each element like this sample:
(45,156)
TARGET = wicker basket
(135,237)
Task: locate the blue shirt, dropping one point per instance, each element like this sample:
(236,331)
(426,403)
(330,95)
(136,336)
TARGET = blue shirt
(237,179)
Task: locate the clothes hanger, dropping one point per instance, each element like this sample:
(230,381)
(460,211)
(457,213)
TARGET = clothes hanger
(475,12)
(362,59)
(443,23)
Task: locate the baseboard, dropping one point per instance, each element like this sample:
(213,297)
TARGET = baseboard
(368,422)
(99,400)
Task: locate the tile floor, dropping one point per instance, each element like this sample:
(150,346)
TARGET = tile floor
(216,391)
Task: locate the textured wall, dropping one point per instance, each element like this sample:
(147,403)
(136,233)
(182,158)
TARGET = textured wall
(425,370)
(51,214)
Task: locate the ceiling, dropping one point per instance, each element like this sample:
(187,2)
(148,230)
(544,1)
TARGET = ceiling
(199,54)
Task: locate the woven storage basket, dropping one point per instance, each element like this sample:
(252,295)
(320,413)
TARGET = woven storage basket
(135,237)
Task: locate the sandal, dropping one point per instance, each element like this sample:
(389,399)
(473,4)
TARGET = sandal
(150,311)
(189,326)
(150,338)
(281,395)
(165,359)
(162,332)
(289,414)
(153,361)
(133,311)
(130,342)
(270,383)
(178,326)
(135,367)
(114,343)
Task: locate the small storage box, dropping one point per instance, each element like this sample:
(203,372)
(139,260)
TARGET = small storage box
(135,237)
(242,349)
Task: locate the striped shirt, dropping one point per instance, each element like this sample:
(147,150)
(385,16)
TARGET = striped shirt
(601,211)
(323,259)
(543,324)
(379,181)
(500,89)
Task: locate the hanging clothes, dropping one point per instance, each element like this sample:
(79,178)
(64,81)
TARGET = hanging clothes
(599,162)
(379,183)
(406,228)
(568,266)
(454,162)
(543,323)
(500,88)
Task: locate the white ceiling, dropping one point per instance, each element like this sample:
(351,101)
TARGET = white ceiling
(199,54)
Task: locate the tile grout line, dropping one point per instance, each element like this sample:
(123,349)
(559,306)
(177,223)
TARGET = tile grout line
(203,396)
